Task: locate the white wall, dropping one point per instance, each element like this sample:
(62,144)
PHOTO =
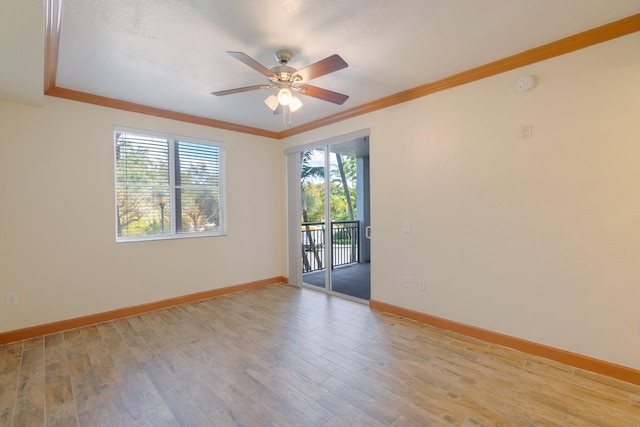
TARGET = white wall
(536,238)
(57,221)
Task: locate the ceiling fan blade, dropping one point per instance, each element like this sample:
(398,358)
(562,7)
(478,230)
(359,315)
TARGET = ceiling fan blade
(246,59)
(324,94)
(320,68)
(239,89)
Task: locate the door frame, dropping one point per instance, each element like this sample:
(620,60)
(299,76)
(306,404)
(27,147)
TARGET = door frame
(294,209)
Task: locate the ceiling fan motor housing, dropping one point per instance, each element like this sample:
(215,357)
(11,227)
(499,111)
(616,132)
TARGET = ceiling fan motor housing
(283,56)
(284,75)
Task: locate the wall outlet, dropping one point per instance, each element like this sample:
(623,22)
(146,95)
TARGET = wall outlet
(421,285)
(407,281)
(12,298)
(526,132)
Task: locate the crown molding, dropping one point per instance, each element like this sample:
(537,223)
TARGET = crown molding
(52,20)
(560,47)
(103,101)
(563,46)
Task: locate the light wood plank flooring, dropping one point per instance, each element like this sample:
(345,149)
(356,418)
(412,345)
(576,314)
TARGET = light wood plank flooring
(290,357)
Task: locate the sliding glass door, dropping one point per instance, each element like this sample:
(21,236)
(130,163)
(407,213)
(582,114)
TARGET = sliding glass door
(334,207)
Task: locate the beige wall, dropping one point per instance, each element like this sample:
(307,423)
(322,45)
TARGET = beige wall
(536,238)
(57,221)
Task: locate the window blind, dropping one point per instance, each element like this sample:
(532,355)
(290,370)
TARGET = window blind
(167,187)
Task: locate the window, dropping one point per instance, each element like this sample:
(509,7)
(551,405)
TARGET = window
(168,187)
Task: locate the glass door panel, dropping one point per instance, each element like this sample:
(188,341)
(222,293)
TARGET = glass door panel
(335,213)
(348,212)
(313,229)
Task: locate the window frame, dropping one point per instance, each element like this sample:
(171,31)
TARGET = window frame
(172,139)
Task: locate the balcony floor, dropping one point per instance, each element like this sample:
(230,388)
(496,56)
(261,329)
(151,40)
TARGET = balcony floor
(353,280)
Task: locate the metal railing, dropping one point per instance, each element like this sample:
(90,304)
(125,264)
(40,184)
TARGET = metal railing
(345,236)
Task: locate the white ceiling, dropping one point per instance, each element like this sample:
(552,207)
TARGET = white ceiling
(170,54)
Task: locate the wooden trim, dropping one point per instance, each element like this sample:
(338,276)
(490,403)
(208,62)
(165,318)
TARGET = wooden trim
(52,19)
(560,47)
(587,363)
(89,98)
(563,46)
(78,322)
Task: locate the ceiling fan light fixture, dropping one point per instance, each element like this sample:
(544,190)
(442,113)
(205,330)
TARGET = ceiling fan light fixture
(284,96)
(295,104)
(287,79)
(272,102)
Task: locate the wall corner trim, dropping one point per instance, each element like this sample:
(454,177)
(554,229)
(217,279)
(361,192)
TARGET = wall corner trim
(579,361)
(92,319)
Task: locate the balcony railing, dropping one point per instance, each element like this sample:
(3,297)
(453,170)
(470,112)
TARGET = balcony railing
(345,236)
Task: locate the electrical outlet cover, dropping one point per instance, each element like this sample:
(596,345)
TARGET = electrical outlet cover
(12,298)
(407,282)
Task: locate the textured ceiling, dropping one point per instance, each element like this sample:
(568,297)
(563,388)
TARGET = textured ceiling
(171,54)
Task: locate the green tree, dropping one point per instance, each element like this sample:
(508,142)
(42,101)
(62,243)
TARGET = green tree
(314,198)
(345,184)
(141,172)
(197,185)
(307,174)
(343,180)
(200,206)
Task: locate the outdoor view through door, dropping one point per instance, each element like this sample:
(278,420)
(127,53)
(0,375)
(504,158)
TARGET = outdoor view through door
(334,183)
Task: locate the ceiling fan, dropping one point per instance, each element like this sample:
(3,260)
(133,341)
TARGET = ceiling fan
(287,79)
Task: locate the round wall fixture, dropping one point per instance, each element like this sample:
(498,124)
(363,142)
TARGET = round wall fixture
(525,83)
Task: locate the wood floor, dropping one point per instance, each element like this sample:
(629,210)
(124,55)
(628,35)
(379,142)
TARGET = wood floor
(290,357)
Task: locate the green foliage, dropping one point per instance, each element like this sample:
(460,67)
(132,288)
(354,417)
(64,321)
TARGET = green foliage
(342,237)
(142,174)
(339,210)
(142,171)
(309,173)
(350,170)
(313,191)
(314,197)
